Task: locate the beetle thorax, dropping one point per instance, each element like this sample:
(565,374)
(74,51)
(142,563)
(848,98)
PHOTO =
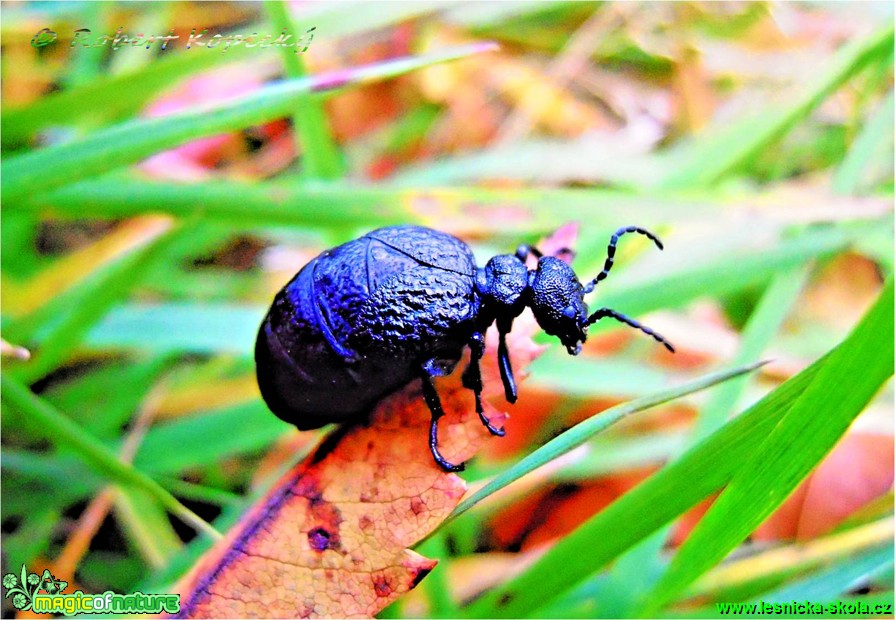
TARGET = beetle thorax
(552,291)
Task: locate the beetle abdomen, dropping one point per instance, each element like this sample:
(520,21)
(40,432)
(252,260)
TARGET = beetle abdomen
(304,379)
(357,321)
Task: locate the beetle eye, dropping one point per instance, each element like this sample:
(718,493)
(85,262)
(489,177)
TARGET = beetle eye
(569,312)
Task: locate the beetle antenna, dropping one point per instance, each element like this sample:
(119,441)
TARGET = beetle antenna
(604,312)
(610,253)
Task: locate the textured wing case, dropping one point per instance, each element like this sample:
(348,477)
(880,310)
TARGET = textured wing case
(353,324)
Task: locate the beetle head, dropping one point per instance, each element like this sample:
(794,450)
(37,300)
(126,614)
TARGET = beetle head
(557,301)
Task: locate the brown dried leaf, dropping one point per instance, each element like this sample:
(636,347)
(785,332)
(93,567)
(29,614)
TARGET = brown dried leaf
(331,537)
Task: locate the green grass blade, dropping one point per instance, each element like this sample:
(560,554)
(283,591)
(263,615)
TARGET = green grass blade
(208,437)
(201,493)
(179,327)
(319,153)
(272,204)
(144,522)
(132,141)
(833,582)
(96,296)
(872,141)
(583,431)
(61,431)
(644,564)
(760,329)
(809,430)
(634,516)
(714,158)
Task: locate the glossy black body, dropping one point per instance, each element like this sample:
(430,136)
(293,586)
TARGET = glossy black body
(401,303)
(358,322)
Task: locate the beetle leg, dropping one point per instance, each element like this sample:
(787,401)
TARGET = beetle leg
(434,403)
(563,253)
(524,250)
(472,379)
(604,312)
(610,253)
(503,360)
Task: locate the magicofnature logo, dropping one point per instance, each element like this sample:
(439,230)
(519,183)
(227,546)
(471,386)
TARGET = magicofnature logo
(25,591)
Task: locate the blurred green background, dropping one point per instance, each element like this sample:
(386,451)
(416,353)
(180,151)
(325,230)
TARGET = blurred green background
(155,200)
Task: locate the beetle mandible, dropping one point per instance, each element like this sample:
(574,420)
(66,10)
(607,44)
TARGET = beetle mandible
(400,303)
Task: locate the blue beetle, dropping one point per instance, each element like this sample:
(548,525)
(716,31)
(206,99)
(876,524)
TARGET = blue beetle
(400,303)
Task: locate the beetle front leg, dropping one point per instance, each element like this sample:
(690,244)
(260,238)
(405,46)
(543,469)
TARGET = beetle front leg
(431,395)
(503,360)
(472,379)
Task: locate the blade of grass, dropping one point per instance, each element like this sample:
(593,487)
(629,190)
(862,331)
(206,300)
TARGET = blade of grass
(763,324)
(583,431)
(134,140)
(40,472)
(94,399)
(207,437)
(145,524)
(179,327)
(438,590)
(711,159)
(31,540)
(871,141)
(460,209)
(763,570)
(667,494)
(201,493)
(61,431)
(320,155)
(85,65)
(830,584)
(70,270)
(642,566)
(808,431)
(539,161)
(96,296)
(273,204)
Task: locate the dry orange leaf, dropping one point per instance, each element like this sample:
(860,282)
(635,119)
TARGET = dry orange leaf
(331,537)
(857,471)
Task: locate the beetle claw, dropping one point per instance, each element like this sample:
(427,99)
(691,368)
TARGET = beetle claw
(499,432)
(447,465)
